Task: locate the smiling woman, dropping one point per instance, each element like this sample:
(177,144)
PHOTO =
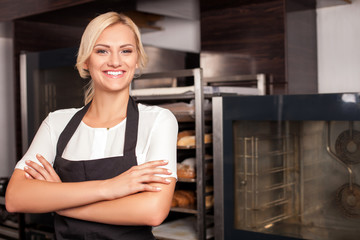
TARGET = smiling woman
(113,61)
(90,40)
(108,169)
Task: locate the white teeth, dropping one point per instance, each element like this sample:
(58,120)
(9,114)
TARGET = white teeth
(115,73)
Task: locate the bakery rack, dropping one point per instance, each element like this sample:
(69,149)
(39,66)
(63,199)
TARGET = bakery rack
(198,95)
(201,89)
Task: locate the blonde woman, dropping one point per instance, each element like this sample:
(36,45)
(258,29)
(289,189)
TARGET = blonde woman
(108,170)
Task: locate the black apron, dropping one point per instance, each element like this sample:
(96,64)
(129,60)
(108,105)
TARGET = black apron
(98,169)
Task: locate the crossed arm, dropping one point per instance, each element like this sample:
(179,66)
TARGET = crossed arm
(135,197)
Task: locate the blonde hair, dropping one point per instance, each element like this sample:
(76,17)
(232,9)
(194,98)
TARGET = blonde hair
(92,33)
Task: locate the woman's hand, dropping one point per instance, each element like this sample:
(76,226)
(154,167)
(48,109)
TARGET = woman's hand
(137,179)
(45,172)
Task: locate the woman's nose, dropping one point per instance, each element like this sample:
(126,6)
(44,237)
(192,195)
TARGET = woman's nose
(115,60)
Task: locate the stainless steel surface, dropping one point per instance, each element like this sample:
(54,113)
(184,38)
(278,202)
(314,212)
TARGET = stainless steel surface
(23,102)
(172,74)
(200,152)
(259,79)
(218,165)
(217,64)
(255,81)
(161,60)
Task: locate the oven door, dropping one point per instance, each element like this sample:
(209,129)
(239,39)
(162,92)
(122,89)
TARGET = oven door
(270,152)
(236,216)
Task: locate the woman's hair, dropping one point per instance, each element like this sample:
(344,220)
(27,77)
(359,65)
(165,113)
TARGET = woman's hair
(90,36)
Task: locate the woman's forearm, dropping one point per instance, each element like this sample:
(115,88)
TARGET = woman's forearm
(38,196)
(146,208)
(35,196)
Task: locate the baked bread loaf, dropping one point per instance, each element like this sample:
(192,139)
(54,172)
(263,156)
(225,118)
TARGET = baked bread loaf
(186,169)
(187,139)
(186,198)
(208,138)
(183,198)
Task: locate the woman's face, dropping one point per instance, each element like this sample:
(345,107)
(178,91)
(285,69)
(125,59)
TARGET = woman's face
(113,60)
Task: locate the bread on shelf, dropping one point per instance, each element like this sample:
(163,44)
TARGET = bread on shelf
(183,198)
(186,139)
(186,169)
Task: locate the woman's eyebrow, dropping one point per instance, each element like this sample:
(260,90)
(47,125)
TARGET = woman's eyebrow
(102,45)
(127,45)
(108,46)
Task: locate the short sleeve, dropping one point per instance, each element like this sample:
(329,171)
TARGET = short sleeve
(163,140)
(41,144)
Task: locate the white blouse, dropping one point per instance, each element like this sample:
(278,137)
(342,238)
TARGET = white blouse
(157,136)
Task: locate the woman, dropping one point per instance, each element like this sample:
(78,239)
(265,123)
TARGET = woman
(114,160)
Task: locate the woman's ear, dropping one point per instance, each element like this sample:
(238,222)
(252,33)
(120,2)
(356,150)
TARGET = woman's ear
(85,66)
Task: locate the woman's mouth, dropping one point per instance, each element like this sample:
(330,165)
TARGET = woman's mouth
(114,73)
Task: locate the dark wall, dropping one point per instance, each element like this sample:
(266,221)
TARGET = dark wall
(301,47)
(271,37)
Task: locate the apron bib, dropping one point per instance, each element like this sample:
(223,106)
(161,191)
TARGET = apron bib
(98,169)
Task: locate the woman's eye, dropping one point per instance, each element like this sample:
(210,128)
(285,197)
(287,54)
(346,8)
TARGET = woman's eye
(126,51)
(101,51)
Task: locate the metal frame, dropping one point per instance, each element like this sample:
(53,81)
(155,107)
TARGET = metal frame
(199,131)
(170,74)
(217,103)
(218,149)
(259,78)
(23,101)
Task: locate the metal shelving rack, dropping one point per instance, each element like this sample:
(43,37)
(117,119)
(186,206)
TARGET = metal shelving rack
(257,81)
(198,96)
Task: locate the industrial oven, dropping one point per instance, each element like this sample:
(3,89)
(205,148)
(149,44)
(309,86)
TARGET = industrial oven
(287,166)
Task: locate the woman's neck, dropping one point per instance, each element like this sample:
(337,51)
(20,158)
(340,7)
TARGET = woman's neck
(106,110)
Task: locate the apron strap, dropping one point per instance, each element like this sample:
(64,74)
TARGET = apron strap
(70,129)
(131,131)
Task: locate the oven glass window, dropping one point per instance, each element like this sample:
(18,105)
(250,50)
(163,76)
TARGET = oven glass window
(297,178)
